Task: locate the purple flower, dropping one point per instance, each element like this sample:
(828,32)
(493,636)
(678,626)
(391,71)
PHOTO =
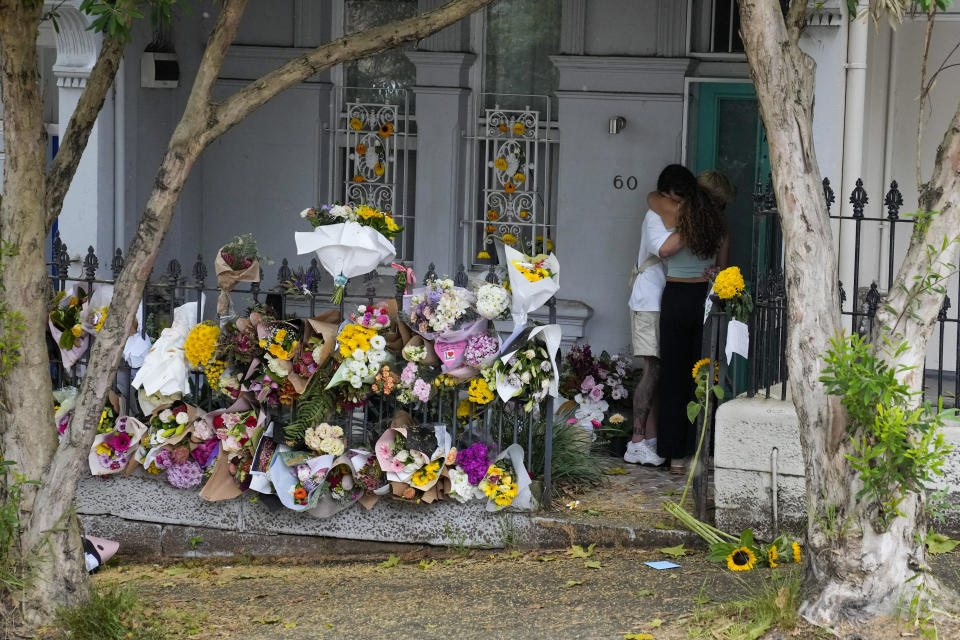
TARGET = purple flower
(202,453)
(163,459)
(479,348)
(587,384)
(433,297)
(185,475)
(474,461)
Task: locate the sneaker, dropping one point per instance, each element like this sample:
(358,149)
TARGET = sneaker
(648,454)
(635,452)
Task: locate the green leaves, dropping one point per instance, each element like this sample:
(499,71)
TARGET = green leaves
(938,543)
(674,552)
(576,551)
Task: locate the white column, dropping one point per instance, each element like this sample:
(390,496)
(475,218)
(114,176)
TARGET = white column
(87,216)
(442,107)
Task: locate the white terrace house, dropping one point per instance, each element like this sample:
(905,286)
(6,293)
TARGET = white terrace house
(609,91)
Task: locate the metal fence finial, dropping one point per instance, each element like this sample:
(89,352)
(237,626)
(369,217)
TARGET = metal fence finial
(828,196)
(491,276)
(858,198)
(90,264)
(461,279)
(284,273)
(843,294)
(893,201)
(942,314)
(199,270)
(314,273)
(174,272)
(431,273)
(872,298)
(116,265)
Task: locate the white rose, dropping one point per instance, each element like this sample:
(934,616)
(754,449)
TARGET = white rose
(362,308)
(183,418)
(356,382)
(525,377)
(305,212)
(530,354)
(378,342)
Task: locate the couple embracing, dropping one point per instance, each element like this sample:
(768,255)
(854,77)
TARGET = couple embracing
(683,244)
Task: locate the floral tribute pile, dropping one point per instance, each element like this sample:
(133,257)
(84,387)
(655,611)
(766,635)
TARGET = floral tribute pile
(598,388)
(278,391)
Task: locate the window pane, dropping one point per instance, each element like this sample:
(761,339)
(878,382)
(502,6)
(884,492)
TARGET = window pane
(521,35)
(389,71)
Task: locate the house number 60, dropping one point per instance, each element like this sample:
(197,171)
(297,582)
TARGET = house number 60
(630,182)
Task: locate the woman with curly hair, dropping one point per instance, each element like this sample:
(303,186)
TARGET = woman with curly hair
(696,247)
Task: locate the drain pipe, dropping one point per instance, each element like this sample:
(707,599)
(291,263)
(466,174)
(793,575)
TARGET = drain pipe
(773,490)
(853,126)
(119,161)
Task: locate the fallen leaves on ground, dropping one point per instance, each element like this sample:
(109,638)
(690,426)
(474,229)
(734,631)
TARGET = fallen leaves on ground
(674,552)
(576,551)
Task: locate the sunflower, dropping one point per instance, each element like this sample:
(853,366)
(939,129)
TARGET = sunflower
(492,215)
(356,124)
(361,149)
(509,187)
(519,177)
(378,168)
(741,559)
(500,164)
(797,554)
(509,238)
(699,363)
(519,129)
(386,130)
(359,178)
(772,555)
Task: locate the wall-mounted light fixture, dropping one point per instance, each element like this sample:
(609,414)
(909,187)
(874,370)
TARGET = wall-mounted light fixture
(617,124)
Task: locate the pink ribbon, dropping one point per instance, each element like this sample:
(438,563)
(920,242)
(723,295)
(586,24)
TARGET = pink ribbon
(411,279)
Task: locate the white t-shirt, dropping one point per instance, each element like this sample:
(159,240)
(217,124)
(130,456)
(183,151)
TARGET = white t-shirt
(648,287)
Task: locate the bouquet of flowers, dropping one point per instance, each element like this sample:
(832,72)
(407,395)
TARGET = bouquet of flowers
(731,289)
(237,430)
(362,353)
(325,439)
(96,308)
(481,349)
(65,325)
(170,425)
(64,400)
(533,281)
(506,481)
(414,353)
(527,369)
(236,262)
(183,471)
(200,348)
(595,384)
(396,460)
(374,317)
(493,300)
(479,391)
(413,387)
(112,449)
(440,309)
(319,341)
(279,339)
(369,476)
(349,241)
(298,477)
(165,373)
(471,468)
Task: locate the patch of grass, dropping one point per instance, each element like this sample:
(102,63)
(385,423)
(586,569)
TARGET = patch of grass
(458,540)
(113,613)
(772,604)
(573,465)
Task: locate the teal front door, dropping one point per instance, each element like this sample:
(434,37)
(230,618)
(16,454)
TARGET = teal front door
(727,134)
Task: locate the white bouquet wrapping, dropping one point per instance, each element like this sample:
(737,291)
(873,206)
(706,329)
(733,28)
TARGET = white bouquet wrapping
(533,281)
(346,250)
(512,380)
(165,371)
(523,498)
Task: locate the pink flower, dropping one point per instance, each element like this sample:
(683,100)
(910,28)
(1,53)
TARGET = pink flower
(383,450)
(572,421)
(596,424)
(119,442)
(422,390)
(396,466)
(231,444)
(382,319)
(596,393)
(587,384)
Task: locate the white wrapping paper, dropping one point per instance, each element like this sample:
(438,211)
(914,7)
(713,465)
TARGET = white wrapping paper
(529,296)
(550,335)
(165,369)
(347,248)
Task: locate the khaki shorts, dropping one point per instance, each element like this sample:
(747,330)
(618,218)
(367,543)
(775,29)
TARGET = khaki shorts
(645,333)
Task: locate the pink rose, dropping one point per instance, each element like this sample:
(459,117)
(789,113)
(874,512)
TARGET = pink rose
(596,394)
(587,384)
(382,319)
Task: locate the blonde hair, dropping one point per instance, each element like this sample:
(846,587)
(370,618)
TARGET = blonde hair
(716,183)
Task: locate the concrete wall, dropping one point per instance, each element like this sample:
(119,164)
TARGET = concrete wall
(747,431)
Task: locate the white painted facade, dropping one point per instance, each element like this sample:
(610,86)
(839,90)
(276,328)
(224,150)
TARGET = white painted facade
(627,58)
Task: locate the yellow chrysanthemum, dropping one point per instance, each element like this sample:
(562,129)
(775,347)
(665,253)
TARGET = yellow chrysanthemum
(279,335)
(698,364)
(101,318)
(277,351)
(76,330)
(741,559)
(479,391)
(729,283)
(463,410)
(519,177)
(797,554)
(367,212)
(391,224)
(519,129)
(500,164)
(509,238)
(356,124)
(104,449)
(492,215)
(213,370)
(772,555)
(200,344)
(353,337)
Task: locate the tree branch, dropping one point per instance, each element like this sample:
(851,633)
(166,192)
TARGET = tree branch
(796,19)
(349,47)
(924,87)
(74,140)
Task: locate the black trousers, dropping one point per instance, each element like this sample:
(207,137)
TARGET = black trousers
(681,339)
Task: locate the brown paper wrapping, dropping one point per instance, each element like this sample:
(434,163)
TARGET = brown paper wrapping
(228,278)
(221,485)
(325,325)
(367,500)
(192,414)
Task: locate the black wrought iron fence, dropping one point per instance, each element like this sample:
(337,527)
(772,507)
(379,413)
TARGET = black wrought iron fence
(768,325)
(496,424)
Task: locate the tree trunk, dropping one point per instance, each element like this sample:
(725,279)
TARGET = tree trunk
(26,417)
(855,568)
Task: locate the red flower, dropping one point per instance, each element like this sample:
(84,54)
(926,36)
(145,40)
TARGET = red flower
(250,422)
(218,422)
